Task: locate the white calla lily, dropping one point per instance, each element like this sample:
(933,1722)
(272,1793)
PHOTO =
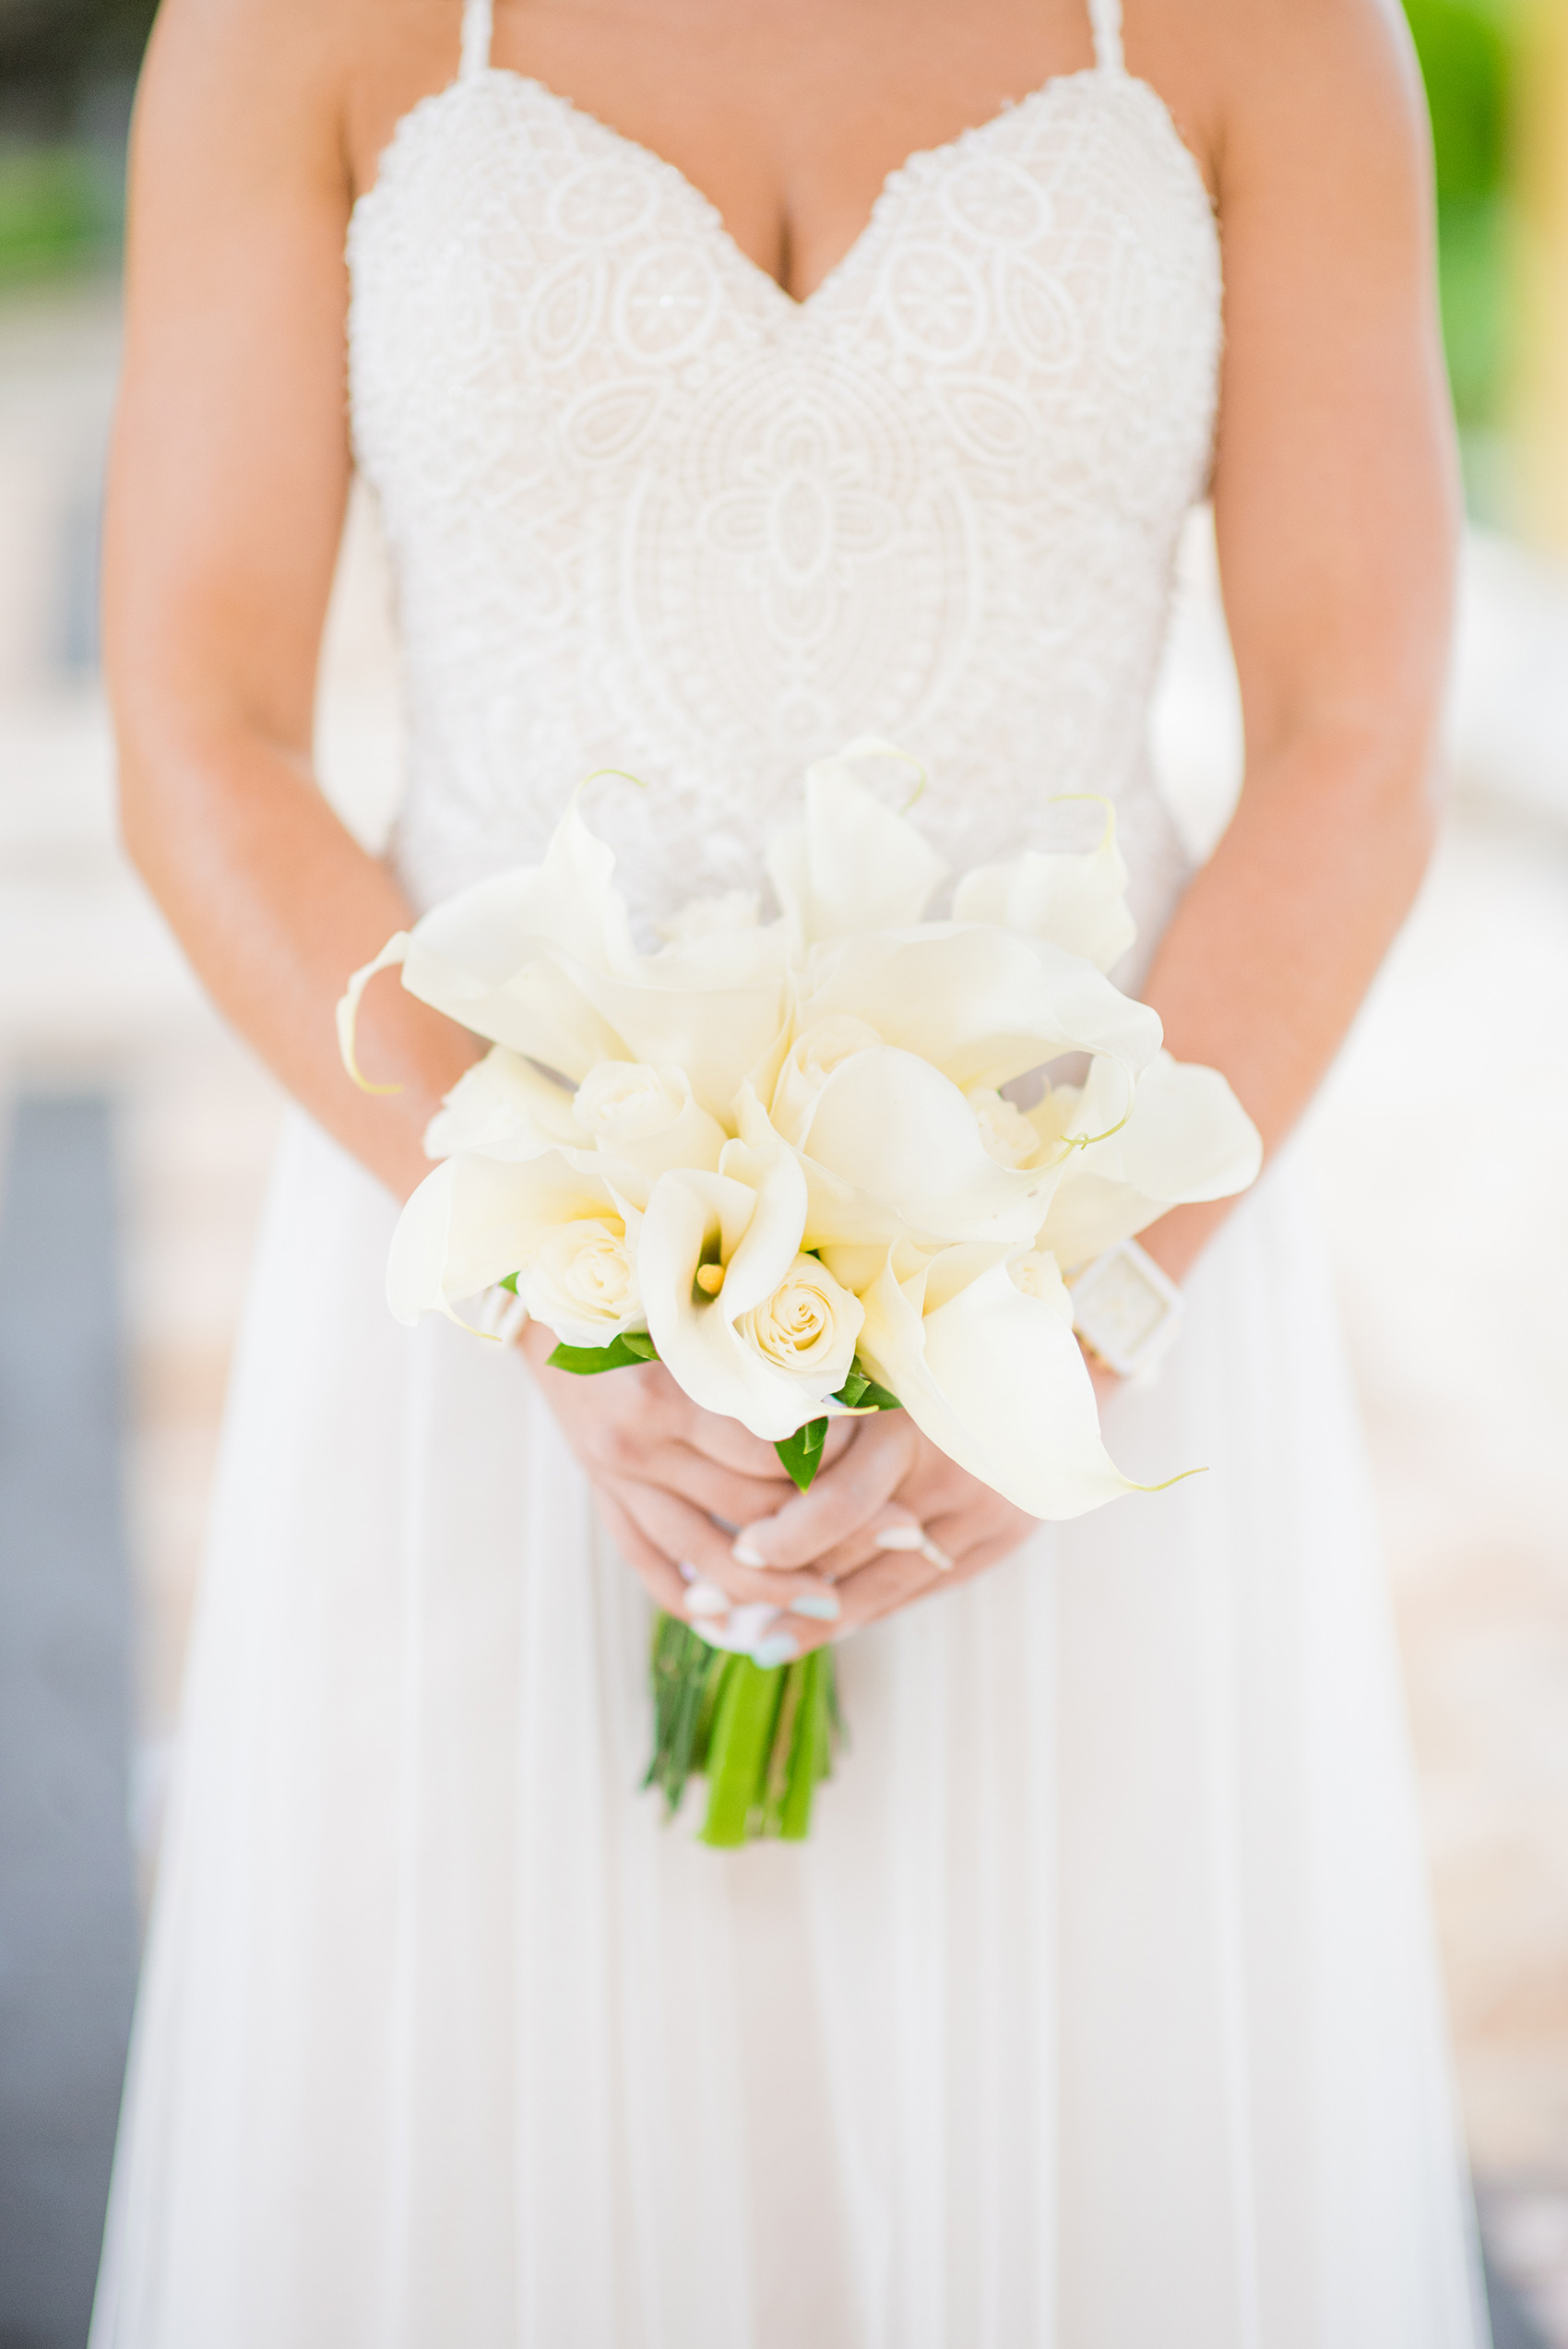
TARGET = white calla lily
(889,1126)
(1186,1137)
(719,1260)
(541,959)
(852,863)
(982,1005)
(712,1006)
(978,1344)
(1078,902)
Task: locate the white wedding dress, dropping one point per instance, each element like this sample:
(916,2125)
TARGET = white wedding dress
(1100,2011)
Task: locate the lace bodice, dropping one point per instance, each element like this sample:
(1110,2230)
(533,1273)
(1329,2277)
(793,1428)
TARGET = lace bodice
(646,511)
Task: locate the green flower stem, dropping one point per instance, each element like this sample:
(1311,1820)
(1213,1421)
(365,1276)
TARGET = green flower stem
(738,1752)
(763,1738)
(811,1757)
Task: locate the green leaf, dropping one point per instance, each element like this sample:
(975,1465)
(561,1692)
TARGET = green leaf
(510,1282)
(861,1393)
(801,1453)
(631,1346)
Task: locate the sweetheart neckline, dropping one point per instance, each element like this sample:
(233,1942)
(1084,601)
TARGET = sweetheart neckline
(798,306)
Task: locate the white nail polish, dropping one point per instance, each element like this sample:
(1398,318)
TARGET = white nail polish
(901,1537)
(938,1556)
(750,1624)
(706,1598)
(778,1649)
(744,1554)
(817,1610)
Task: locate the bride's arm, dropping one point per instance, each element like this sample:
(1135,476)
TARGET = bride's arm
(1337,512)
(228,478)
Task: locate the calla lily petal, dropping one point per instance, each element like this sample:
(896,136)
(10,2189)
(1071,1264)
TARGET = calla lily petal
(852,864)
(1186,1137)
(996,1378)
(691,1219)
(888,1123)
(394,952)
(982,1005)
(1076,902)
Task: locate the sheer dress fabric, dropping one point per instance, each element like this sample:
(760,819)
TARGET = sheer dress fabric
(1101,2009)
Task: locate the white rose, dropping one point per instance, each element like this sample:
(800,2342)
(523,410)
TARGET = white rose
(1006,1133)
(704,917)
(1036,1273)
(816,1051)
(808,1326)
(647,1115)
(583,1284)
(625,1100)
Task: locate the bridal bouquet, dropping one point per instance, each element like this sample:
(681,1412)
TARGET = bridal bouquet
(779,1158)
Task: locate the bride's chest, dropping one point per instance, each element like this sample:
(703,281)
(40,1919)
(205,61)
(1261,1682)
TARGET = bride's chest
(544,311)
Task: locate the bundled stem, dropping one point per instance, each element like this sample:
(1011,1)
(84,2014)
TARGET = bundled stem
(763,1739)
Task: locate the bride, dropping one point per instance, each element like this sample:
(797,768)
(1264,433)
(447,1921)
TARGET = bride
(736,380)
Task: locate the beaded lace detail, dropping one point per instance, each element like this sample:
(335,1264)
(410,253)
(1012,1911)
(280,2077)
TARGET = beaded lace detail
(646,511)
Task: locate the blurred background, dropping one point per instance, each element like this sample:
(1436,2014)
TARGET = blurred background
(134,1138)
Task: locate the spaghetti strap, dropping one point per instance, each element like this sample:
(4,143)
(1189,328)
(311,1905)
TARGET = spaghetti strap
(1105,22)
(476,38)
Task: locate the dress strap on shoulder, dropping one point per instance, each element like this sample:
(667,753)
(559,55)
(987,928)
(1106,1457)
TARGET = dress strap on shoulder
(475,38)
(1105,22)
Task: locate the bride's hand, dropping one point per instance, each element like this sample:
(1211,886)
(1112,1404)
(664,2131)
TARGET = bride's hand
(893,1519)
(662,1472)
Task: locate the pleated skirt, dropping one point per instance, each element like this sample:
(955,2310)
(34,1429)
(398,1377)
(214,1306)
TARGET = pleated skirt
(1100,2012)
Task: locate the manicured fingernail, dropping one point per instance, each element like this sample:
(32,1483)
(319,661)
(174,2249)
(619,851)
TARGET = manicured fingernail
(938,1556)
(706,1598)
(745,1553)
(825,1609)
(778,1649)
(901,1537)
(750,1623)
(685,1569)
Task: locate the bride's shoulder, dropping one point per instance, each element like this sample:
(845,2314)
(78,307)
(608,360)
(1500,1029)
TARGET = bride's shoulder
(1272,86)
(318,81)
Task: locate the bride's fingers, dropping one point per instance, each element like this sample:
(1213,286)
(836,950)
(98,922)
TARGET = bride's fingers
(682,1533)
(662,1578)
(730,1445)
(846,1496)
(893,1581)
(722,1492)
(723,1441)
(890,1527)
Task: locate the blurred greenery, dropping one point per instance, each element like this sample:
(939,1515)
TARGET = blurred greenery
(1466,56)
(59,210)
(66,70)
(60,169)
